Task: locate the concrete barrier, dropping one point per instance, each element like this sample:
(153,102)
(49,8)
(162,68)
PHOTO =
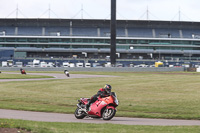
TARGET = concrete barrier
(103,69)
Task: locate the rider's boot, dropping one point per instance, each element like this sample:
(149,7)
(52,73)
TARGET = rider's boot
(87,106)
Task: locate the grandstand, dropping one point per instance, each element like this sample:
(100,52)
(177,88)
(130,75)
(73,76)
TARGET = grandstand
(90,38)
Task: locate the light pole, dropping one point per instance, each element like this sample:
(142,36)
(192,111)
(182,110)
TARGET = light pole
(113,33)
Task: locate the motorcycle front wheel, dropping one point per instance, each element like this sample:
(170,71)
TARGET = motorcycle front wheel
(79,114)
(108,114)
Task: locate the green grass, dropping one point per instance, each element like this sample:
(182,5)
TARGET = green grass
(52,127)
(21,76)
(149,95)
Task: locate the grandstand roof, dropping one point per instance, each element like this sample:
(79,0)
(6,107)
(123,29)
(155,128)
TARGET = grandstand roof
(99,23)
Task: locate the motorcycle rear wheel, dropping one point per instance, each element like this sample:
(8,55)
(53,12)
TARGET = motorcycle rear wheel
(108,114)
(79,114)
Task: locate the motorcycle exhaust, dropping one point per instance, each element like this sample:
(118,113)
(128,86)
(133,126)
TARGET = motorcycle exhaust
(81,109)
(79,106)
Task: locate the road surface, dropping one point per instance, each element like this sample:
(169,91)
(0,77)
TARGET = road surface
(57,117)
(54,75)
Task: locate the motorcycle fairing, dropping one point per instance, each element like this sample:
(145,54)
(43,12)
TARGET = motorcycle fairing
(98,105)
(84,100)
(110,107)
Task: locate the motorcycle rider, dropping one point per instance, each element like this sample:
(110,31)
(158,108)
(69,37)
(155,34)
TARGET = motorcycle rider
(103,92)
(66,73)
(22,71)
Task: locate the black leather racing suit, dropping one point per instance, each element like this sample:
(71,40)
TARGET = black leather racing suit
(101,93)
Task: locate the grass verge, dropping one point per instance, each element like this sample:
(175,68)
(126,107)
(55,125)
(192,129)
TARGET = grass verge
(150,95)
(58,127)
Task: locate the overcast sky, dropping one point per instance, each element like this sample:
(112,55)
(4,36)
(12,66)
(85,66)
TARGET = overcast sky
(171,10)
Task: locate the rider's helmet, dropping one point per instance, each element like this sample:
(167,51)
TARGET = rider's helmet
(107,88)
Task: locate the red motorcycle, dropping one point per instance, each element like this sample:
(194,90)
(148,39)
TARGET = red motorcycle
(102,108)
(22,71)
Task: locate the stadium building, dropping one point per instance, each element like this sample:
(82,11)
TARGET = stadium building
(90,39)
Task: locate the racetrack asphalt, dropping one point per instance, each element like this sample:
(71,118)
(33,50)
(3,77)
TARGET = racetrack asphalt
(58,117)
(54,75)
